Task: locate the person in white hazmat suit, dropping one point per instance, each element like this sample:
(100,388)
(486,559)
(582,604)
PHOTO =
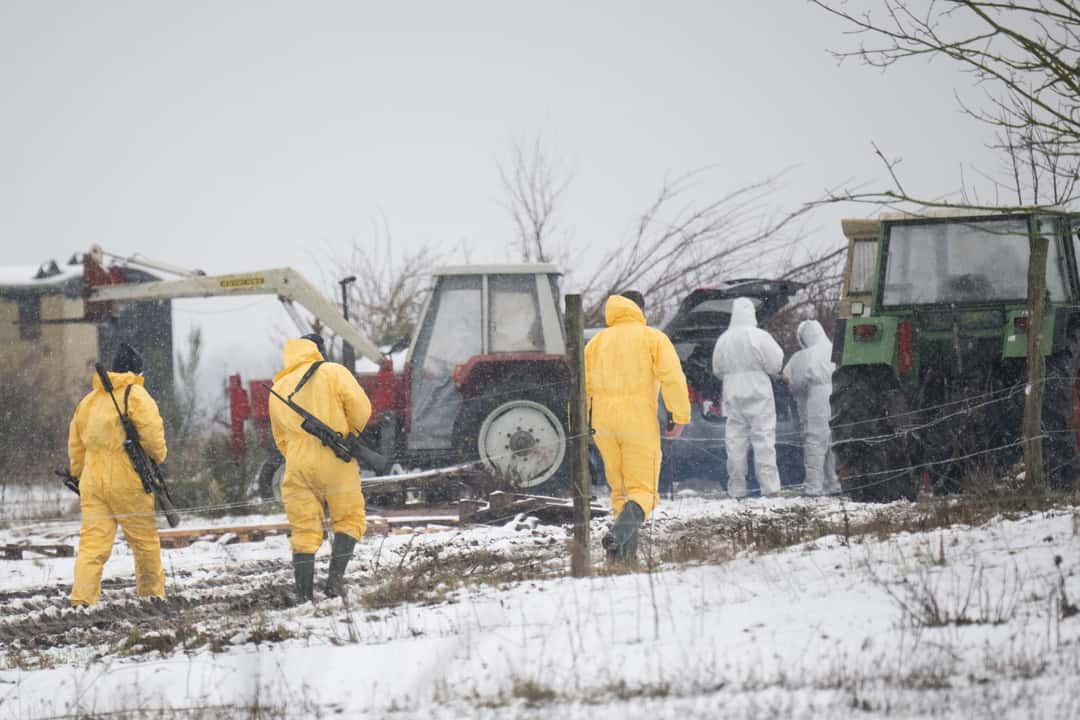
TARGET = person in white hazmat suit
(744,358)
(809,374)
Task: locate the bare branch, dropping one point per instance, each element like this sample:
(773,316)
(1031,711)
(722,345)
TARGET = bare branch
(680,243)
(1026,55)
(534,183)
(388,295)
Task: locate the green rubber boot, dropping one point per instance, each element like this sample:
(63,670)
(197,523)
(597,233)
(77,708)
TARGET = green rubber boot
(621,543)
(304,574)
(340,555)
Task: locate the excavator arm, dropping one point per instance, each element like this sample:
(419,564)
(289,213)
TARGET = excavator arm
(289,285)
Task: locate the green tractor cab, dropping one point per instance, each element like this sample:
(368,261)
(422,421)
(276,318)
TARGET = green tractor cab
(931,372)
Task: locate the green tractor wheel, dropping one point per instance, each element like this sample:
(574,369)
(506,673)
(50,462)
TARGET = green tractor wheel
(871,457)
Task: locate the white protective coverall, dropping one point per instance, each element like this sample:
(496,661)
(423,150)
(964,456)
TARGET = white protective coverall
(744,358)
(809,373)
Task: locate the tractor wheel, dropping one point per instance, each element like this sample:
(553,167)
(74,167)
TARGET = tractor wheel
(270,475)
(520,439)
(1061,415)
(871,460)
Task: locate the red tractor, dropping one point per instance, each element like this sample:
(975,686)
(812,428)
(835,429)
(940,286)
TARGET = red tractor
(484,379)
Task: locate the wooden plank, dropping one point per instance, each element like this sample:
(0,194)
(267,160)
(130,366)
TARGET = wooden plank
(15,552)
(174,539)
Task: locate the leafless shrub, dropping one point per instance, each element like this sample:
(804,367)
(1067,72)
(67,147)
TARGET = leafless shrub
(935,600)
(1020,663)
(532,692)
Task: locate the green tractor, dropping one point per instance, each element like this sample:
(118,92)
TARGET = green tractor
(931,368)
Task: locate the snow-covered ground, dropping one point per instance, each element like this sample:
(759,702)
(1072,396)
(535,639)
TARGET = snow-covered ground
(483,622)
(26,502)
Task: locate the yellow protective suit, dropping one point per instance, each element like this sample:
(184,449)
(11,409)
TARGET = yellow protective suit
(313,474)
(109,488)
(626,365)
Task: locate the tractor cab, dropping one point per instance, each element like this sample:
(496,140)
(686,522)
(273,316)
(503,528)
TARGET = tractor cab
(933,367)
(486,372)
(857,283)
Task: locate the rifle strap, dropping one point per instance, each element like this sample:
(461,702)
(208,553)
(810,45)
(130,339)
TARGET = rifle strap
(127,394)
(307,376)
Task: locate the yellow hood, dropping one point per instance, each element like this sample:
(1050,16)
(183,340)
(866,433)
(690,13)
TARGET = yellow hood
(118,380)
(621,310)
(297,352)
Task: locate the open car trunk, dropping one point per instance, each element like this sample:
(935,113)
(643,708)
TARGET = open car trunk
(706,313)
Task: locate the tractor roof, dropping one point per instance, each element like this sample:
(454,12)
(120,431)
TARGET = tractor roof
(507,269)
(867,228)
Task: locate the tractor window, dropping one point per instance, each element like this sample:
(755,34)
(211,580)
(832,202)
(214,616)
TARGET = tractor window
(453,332)
(863,255)
(514,315)
(959,262)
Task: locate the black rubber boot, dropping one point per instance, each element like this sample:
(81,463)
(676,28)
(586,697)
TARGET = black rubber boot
(623,543)
(339,559)
(608,543)
(304,573)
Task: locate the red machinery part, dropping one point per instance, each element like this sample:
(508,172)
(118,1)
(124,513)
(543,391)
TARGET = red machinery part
(95,275)
(904,347)
(259,392)
(239,411)
(384,397)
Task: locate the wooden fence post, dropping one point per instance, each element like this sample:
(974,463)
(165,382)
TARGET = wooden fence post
(1033,401)
(580,565)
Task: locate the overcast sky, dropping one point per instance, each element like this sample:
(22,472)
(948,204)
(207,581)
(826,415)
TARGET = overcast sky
(234,136)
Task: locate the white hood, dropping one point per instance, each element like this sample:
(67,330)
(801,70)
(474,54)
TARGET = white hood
(743,313)
(811,333)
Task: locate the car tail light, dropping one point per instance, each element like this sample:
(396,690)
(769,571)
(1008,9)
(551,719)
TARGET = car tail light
(459,374)
(903,356)
(865,332)
(1020,323)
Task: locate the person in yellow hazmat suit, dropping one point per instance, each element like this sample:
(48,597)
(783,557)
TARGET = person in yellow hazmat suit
(626,366)
(110,491)
(313,473)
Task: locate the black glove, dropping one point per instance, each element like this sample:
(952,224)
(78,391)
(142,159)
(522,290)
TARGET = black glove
(70,481)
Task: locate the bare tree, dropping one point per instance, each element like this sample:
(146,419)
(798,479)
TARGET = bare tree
(680,243)
(534,182)
(1025,56)
(687,236)
(388,296)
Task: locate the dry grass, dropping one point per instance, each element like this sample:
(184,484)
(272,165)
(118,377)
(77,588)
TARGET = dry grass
(532,692)
(435,577)
(179,634)
(709,540)
(939,601)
